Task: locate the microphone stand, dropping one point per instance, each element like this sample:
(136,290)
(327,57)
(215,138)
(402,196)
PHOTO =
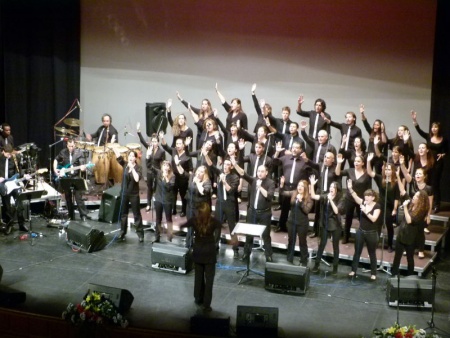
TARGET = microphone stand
(381,267)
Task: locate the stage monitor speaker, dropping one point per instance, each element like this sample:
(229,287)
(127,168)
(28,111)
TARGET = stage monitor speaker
(83,235)
(121,298)
(414,292)
(11,297)
(169,257)
(110,205)
(285,278)
(217,327)
(156,120)
(255,321)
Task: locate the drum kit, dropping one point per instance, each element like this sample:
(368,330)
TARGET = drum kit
(104,159)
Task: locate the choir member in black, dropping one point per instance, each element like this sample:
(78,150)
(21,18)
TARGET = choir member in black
(438,145)
(288,139)
(154,157)
(318,146)
(285,121)
(5,135)
(301,205)
(359,149)
(254,160)
(211,133)
(10,166)
(179,128)
(199,190)
(199,115)
(415,211)
(71,157)
(259,210)
(105,132)
(263,111)
(295,168)
(349,130)
(376,132)
(262,135)
(326,174)
(404,142)
(361,182)
(235,112)
(316,116)
(207,233)
(130,193)
(164,198)
(368,230)
(227,199)
(333,206)
(182,167)
(416,184)
(389,193)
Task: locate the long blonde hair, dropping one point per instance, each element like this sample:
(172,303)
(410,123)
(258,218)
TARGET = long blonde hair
(176,130)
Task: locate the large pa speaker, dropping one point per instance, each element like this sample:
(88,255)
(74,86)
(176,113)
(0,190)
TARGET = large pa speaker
(121,298)
(413,292)
(218,327)
(84,236)
(110,205)
(11,297)
(255,321)
(283,278)
(169,257)
(156,120)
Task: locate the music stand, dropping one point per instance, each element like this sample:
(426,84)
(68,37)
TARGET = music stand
(30,195)
(253,230)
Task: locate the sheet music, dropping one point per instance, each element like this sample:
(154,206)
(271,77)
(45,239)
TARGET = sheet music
(248,229)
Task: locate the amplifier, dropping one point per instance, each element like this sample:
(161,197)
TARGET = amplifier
(283,278)
(169,257)
(414,292)
(256,321)
(85,236)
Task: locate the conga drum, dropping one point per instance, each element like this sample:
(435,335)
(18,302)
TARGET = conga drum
(116,170)
(101,160)
(137,148)
(89,146)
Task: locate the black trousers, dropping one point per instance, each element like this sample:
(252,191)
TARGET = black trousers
(299,230)
(80,203)
(263,218)
(285,204)
(228,210)
(181,187)
(399,248)
(8,211)
(159,208)
(151,177)
(134,202)
(335,237)
(371,240)
(350,207)
(203,284)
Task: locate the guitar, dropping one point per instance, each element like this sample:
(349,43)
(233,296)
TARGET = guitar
(13,183)
(67,168)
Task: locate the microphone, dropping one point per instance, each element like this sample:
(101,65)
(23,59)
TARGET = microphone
(79,106)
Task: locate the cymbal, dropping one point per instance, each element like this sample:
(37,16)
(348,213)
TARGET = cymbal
(65,131)
(72,122)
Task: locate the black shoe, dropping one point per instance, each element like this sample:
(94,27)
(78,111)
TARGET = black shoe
(23,228)
(122,236)
(157,240)
(436,209)
(316,268)
(207,308)
(182,214)
(236,254)
(335,270)
(313,235)
(174,212)
(390,249)
(277,229)
(269,259)
(345,240)
(8,229)
(198,301)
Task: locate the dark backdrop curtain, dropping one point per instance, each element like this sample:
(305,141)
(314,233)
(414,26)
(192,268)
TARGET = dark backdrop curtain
(440,90)
(40,67)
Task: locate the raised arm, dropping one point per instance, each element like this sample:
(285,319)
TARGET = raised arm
(219,94)
(369,165)
(312,188)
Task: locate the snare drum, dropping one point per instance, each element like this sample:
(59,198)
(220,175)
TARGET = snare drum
(116,170)
(137,148)
(89,146)
(80,144)
(101,160)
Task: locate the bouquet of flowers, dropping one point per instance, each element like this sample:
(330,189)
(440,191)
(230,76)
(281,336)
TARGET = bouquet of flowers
(94,309)
(398,331)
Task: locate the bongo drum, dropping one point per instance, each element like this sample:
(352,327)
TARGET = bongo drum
(116,170)
(101,160)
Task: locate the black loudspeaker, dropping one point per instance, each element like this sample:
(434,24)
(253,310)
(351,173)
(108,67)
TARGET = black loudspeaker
(11,297)
(218,327)
(156,120)
(168,257)
(85,236)
(110,205)
(284,278)
(1,273)
(121,298)
(414,292)
(252,321)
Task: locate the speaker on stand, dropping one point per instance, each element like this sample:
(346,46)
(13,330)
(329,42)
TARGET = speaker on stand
(155,118)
